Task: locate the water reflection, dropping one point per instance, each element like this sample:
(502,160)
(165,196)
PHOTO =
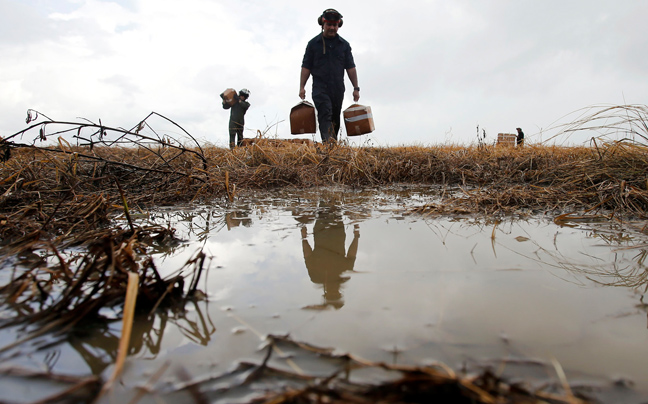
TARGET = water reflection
(237,218)
(196,226)
(328,261)
(97,345)
(433,279)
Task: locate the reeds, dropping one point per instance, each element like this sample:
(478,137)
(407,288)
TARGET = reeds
(66,193)
(621,123)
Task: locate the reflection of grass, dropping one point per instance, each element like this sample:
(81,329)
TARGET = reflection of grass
(623,270)
(633,275)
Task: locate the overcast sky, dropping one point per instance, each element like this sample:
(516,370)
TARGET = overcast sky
(431,71)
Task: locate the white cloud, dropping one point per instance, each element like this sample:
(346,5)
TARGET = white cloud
(430,70)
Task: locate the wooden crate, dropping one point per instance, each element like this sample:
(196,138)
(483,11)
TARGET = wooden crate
(506,139)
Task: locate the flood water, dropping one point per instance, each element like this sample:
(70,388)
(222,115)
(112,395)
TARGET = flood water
(360,273)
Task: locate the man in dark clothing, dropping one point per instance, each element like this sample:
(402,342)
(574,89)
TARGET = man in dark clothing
(237,116)
(326,58)
(520,137)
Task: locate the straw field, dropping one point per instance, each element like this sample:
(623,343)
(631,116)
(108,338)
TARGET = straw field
(75,189)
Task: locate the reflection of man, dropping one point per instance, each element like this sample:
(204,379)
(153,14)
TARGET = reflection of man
(327,261)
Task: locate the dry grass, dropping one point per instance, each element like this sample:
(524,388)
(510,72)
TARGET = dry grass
(67,190)
(72,190)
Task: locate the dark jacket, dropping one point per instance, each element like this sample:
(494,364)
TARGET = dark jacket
(520,137)
(327,59)
(237,115)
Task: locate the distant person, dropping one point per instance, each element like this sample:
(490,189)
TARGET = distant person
(237,117)
(326,58)
(327,260)
(520,137)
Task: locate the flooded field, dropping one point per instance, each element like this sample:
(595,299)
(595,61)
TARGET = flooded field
(367,274)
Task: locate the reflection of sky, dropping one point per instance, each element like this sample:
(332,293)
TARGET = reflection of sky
(253,258)
(269,251)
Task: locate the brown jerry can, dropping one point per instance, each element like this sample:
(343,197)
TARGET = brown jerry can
(358,120)
(302,118)
(229,96)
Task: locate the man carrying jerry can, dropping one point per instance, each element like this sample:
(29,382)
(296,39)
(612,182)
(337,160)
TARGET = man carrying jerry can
(238,106)
(327,57)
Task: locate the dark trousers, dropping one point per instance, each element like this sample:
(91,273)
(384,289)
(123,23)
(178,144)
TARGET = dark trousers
(329,108)
(235,131)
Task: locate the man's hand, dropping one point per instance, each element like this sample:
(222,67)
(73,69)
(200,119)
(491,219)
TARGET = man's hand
(356,95)
(302,93)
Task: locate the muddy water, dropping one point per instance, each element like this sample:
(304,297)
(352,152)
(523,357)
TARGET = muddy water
(357,272)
